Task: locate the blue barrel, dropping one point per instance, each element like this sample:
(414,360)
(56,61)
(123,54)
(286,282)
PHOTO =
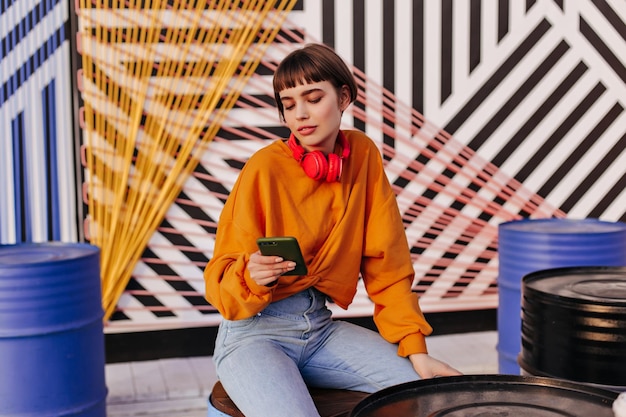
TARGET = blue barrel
(531,245)
(52,358)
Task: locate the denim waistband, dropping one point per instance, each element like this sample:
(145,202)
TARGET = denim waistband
(307,302)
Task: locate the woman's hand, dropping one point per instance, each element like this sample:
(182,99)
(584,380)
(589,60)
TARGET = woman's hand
(265,270)
(428,367)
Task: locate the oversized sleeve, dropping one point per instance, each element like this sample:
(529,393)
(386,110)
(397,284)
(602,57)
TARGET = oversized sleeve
(228,285)
(387,268)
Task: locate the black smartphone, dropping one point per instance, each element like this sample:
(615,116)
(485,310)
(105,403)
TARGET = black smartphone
(286,247)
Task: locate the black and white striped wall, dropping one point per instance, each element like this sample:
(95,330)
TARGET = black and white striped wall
(39,171)
(534,89)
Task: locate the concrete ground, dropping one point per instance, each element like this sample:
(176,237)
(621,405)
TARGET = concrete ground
(180,387)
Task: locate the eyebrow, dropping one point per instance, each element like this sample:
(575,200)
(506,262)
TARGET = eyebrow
(304,93)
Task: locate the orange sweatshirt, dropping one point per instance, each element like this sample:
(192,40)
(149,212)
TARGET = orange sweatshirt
(343,228)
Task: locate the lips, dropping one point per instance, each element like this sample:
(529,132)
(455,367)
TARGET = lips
(306,130)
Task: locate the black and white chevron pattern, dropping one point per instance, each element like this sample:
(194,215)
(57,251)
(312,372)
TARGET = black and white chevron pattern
(529,94)
(533,93)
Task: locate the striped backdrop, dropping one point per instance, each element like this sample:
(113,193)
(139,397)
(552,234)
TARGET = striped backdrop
(38,165)
(526,97)
(529,95)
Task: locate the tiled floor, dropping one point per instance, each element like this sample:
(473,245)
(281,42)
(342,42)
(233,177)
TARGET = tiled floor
(180,387)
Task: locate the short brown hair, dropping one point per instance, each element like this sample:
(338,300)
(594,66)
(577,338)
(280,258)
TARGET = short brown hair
(311,64)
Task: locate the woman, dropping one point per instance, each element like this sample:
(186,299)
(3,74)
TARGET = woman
(328,188)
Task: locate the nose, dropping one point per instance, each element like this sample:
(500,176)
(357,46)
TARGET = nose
(301,112)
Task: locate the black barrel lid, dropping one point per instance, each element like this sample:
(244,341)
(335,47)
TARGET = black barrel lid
(488,395)
(597,285)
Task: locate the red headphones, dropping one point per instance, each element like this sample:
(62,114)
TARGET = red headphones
(315,164)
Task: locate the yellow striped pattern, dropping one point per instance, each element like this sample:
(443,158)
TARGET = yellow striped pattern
(158,79)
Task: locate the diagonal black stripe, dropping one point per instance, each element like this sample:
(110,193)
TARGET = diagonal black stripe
(603,49)
(262,132)
(147,300)
(164,271)
(499,75)
(575,156)
(197,214)
(552,141)
(245,101)
(610,197)
(513,102)
(179,240)
(618,187)
(613,18)
(118,316)
(161,269)
(214,186)
(540,114)
(532,122)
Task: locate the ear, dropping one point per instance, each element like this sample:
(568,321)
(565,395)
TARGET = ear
(344,97)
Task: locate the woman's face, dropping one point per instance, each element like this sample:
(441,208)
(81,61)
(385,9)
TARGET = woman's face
(313,113)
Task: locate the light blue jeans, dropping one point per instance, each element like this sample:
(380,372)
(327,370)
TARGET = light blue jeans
(266,362)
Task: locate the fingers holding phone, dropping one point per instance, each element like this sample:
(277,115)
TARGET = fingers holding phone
(279,255)
(265,270)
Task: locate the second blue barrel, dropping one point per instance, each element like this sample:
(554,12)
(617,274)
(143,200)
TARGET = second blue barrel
(52,358)
(530,245)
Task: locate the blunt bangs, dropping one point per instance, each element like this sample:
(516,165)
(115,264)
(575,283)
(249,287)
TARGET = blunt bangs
(311,64)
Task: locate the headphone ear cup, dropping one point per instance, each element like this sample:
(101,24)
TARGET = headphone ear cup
(315,165)
(334,168)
